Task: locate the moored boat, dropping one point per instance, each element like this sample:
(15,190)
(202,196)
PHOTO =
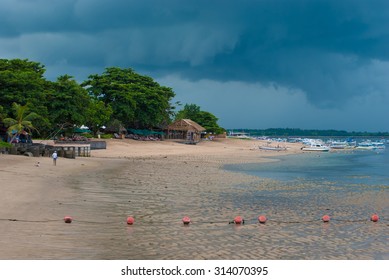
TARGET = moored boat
(270,148)
(316,148)
(338,145)
(378,145)
(369,145)
(315,145)
(239,135)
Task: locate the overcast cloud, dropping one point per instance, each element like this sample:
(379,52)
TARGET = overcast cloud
(254,64)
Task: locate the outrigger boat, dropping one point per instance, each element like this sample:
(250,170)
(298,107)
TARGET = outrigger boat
(270,148)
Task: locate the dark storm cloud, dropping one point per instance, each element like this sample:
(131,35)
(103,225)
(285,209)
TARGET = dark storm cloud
(328,49)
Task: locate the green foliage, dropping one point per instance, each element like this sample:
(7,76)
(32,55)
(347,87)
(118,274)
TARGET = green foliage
(203,118)
(5,144)
(97,114)
(132,99)
(87,135)
(106,136)
(67,102)
(2,114)
(22,121)
(209,121)
(190,111)
(22,82)
(115,126)
(112,88)
(136,100)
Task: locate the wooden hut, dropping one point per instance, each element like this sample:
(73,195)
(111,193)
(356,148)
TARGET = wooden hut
(185,129)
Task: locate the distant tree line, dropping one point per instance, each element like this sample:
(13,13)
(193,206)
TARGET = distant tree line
(296,132)
(116,98)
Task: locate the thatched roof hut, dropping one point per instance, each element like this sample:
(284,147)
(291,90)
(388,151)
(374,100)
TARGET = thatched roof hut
(186,125)
(185,129)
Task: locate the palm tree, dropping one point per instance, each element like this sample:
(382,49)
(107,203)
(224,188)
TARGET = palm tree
(22,121)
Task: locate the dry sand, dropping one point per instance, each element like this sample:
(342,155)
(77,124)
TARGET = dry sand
(158,183)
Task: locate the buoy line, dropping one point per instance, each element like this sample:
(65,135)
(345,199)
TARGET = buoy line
(238,220)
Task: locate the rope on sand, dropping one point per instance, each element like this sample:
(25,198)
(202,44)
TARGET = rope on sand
(28,221)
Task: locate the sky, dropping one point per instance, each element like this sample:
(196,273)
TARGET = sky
(309,64)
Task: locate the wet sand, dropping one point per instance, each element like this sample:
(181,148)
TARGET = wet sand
(158,183)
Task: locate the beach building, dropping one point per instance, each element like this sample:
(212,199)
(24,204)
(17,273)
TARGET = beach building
(185,129)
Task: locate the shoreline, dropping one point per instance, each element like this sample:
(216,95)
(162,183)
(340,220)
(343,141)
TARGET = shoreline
(157,183)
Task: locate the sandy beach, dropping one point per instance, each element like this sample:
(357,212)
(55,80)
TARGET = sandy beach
(158,183)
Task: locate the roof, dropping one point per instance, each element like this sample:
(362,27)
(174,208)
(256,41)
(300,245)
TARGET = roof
(186,125)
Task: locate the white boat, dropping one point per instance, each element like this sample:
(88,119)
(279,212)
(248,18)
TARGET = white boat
(239,135)
(338,145)
(316,148)
(364,146)
(369,145)
(314,145)
(270,148)
(378,145)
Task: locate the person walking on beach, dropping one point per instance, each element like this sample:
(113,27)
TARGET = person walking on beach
(54,156)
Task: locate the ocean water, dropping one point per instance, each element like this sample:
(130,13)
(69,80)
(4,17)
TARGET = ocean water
(349,186)
(345,168)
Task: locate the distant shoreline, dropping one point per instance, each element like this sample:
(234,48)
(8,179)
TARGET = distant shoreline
(296,132)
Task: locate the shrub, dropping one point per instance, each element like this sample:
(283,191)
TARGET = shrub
(5,144)
(87,135)
(106,136)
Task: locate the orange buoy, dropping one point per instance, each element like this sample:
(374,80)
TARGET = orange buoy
(238,220)
(68,219)
(374,218)
(326,218)
(186,220)
(262,219)
(130,220)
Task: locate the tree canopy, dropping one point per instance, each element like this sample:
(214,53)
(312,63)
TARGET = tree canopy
(137,101)
(203,118)
(67,102)
(117,95)
(22,82)
(22,121)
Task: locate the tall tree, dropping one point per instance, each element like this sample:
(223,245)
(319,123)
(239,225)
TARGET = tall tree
(22,82)
(136,100)
(97,115)
(67,102)
(203,118)
(209,122)
(22,121)
(190,111)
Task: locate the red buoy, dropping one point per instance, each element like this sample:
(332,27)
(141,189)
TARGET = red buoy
(130,220)
(374,218)
(262,219)
(68,219)
(238,220)
(326,218)
(186,220)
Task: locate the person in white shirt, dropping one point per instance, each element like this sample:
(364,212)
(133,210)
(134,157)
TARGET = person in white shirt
(54,156)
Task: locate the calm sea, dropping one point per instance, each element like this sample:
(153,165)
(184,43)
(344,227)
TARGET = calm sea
(356,168)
